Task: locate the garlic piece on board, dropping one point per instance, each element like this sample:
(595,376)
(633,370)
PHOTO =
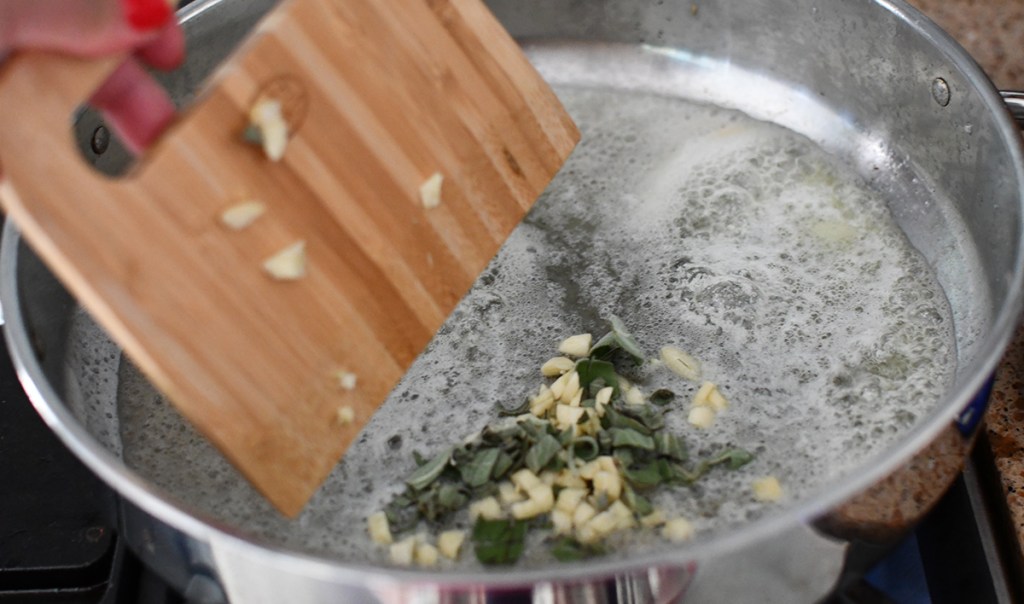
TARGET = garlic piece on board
(288,264)
(430,191)
(240,216)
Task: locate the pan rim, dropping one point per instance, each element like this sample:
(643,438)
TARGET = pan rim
(164,507)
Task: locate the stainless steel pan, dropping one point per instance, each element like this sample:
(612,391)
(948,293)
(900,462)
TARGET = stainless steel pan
(875,84)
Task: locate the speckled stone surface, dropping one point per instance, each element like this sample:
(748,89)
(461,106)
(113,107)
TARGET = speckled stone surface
(992,31)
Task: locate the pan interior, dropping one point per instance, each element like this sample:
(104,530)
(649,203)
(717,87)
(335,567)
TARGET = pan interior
(781,266)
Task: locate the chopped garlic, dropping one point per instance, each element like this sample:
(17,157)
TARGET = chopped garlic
(589,469)
(527,509)
(426,554)
(701,399)
(570,499)
(558,387)
(634,396)
(767,489)
(677,529)
(567,416)
(557,366)
(525,480)
(403,552)
(603,523)
(379,529)
(718,401)
(288,264)
(702,417)
(543,402)
(604,396)
(346,415)
(266,116)
(608,483)
(487,508)
(572,388)
(681,363)
(607,463)
(508,494)
(576,346)
(655,518)
(241,215)
(623,515)
(584,512)
(570,480)
(450,542)
(346,380)
(430,191)
(544,496)
(561,522)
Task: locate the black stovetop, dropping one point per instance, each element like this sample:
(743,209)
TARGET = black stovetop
(59,539)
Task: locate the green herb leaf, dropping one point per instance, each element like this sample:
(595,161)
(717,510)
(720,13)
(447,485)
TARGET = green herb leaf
(733,458)
(647,477)
(586,448)
(668,445)
(402,514)
(662,397)
(567,549)
(613,419)
(499,541)
(624,456)
(428,472)
(625,437)
(591,369)
(477,471)
(502,465)
(618,338)
(451,497)
(542,452)
(648,415)
(637,502)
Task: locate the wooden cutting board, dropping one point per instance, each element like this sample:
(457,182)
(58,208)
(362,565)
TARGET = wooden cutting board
(378,98)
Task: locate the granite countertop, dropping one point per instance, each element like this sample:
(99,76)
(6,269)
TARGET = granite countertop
(992,31)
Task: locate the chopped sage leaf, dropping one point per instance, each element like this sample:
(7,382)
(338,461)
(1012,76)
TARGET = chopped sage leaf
(669,445)
(648,415)
(618,338)
(541,453)
(591,369)
(478,470)
(662,396)
(647,477)
(637,502)
(567,549)
(624,437)
(502,465)
(624,457)
(614,419)
(499,541)
(428,472)
(733,458)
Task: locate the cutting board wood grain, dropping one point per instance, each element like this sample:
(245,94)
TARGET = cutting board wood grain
(378,96)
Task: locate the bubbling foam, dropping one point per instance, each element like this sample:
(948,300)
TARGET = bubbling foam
(736,240)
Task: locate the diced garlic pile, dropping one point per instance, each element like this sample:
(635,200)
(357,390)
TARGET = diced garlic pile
(585,498)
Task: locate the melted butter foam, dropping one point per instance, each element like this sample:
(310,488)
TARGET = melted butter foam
(735,240)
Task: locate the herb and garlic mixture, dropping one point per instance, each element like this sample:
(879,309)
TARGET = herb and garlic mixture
(574,462)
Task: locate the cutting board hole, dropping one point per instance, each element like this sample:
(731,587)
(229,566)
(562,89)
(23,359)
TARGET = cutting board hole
(99,145)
